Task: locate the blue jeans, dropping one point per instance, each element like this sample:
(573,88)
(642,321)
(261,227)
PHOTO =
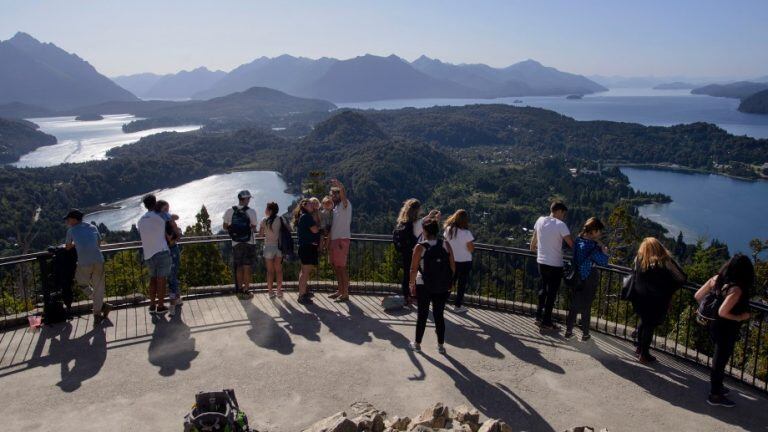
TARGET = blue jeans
(173,280)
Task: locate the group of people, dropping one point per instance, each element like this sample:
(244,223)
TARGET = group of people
(434,260)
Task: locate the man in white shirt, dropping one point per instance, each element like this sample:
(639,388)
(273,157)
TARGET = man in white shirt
(241,222)
(157,256)
(549,232)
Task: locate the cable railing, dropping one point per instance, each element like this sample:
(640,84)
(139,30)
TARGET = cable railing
(503,278)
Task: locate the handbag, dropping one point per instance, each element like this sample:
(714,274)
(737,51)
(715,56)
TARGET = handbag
(628,286)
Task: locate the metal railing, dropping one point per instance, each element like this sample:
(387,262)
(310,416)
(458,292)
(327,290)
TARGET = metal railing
(503,278)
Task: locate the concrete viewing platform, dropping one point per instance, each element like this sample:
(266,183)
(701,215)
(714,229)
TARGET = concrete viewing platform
(291,365)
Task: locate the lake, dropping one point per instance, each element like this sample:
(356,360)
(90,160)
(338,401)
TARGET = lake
(705,205)
(217,193)
(82,141)
(645,106)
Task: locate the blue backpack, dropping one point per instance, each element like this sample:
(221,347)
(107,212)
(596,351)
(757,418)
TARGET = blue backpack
(240,228)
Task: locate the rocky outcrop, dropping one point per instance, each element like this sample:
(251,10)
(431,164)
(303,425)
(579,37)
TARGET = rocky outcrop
(364,417)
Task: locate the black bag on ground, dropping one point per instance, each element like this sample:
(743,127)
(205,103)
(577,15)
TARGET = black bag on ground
(285,240)
(240,228)
(436,268)
(709,308)
(403,238)
(58,280)
(216,411)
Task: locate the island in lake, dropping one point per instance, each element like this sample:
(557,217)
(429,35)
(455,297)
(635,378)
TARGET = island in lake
(755,104)
(89,117)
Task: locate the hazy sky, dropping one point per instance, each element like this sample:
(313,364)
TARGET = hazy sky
(648,37)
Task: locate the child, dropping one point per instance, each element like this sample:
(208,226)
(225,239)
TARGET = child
(326,219)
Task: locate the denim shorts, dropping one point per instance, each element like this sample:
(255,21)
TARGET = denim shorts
(272,251)
(159,265)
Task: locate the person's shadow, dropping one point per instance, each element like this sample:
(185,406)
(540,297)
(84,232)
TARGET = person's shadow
(492,400)
(86,353)
(172,348)
(265,332)
(679,387)
(298,322)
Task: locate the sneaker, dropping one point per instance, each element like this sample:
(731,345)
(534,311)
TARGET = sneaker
(161,310)
(106,308)
(646,359)
(304,299)
(152,309)
(172,310)
(460,310)
(550,326)
(720,400)
(585,337)
(179,301)
(568,335)
(416,347)
(280,294)
(441,348)
(271,295)
(244,295)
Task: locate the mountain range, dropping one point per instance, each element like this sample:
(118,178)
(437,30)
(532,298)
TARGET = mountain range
(44,75)
(736,90)
(181,85)
(370,77)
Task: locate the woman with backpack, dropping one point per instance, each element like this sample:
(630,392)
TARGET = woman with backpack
(431,277)
(588,251)
(308,234)
(457,234)
(270,229)
(727,295)
(656,278)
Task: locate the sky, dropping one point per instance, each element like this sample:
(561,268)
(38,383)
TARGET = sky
(698,38)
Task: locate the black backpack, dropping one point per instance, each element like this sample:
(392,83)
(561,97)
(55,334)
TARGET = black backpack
(436,268)
(709,308)
(216,411)
(403,238)
(285,240)
(240,226)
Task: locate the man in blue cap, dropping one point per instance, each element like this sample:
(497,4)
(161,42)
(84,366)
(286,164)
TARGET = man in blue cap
(86,240)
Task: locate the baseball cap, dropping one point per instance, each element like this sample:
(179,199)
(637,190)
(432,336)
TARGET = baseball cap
(75,214)
(243,194)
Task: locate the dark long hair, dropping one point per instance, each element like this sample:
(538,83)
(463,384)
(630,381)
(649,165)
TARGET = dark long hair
(738,271)
(274,209)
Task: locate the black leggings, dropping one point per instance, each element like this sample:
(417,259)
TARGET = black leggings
(645,329)
(438,308)
(461,278)
(405,261)
(550,284)
(724,334)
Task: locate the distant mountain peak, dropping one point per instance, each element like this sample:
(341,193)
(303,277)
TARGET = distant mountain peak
(21,36)
(347,126)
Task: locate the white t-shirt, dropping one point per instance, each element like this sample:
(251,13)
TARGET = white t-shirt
(550,233)
(151,228)
(342,221)
(251,215)
(459,244)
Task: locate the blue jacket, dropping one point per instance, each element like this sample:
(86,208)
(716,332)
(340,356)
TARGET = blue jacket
(588,253)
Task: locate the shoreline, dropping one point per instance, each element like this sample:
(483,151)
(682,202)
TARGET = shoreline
(684,169)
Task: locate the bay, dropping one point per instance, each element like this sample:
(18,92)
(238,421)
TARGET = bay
(217,193)
(82,141)
(705,206)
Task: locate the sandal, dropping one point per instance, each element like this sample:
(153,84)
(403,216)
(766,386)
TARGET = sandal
(279,293)
(272,295)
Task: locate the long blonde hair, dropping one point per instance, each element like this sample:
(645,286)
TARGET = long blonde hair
(458,220)
(410,211)
(651,253)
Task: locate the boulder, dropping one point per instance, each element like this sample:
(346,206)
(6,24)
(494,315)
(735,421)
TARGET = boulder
(464,415)
(335,423)
(367,417)
(435,417)
(398,423)
(493,425)
(581,429)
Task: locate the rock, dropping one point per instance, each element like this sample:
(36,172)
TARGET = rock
(462,427)
(367,417)
(398,423)
(582,429)
(465,415)
(435,417)
(335,423)
(493,425)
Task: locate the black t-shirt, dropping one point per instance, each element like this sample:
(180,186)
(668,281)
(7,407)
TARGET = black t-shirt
(305,234)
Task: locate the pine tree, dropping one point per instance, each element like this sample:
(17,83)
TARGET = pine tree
(202,263)
(680,247)
(623,240)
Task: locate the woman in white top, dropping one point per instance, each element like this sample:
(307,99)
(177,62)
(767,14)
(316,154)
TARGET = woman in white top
(457,234)
(270,229)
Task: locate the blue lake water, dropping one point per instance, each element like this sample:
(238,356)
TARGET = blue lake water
(645,106)
(706,206)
